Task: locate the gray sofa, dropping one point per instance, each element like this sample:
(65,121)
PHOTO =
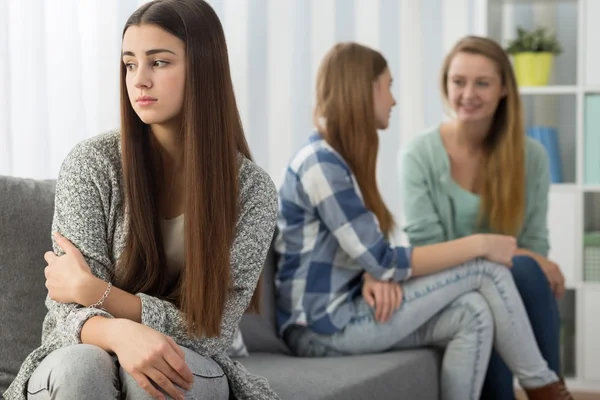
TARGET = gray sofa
(26,208)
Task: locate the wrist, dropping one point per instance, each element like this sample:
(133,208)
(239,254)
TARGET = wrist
(481,244)
(113,331)
(538,258)
(102,332)
(90,290)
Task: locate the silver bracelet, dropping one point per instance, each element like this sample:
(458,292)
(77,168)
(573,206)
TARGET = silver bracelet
(99,304)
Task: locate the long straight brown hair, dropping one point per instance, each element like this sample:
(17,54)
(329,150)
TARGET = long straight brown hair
(345,116)
(503,165)
(212,139)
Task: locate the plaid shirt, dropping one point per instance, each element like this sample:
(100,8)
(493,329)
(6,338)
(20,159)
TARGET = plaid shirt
(326,239)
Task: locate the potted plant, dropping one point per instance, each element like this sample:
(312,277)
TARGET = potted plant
(533,53)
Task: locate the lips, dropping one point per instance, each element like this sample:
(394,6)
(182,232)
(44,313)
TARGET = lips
(469,108)
(145,100)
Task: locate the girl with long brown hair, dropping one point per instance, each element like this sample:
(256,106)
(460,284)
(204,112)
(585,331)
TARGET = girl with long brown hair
(344,287)
(162,229)
(479,172)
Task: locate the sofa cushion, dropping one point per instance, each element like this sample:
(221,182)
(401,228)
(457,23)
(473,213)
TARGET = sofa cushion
(406,374)
(259,330)
(26,209)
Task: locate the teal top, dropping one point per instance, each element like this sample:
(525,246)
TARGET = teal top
(466,209)
(437,209)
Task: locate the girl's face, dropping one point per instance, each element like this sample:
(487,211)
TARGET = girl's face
(474,87)
(155,64)
(383,99)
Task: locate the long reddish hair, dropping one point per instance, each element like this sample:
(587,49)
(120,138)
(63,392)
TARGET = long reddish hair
(345,116)
(503,187)
(212,140)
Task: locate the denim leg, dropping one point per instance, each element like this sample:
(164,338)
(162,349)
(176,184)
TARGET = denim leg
(541,306)
(499,384)
(81,371)
(542,310)
(425,296)
(466,329)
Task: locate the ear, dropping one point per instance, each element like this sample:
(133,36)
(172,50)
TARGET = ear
(504,92)
(375,85)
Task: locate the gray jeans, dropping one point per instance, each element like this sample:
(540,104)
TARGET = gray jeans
(465,309)
(87,372)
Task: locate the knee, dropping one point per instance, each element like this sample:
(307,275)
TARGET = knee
(210,388)
(83,362)
(495,271)
(76,372)
(477,312)
(528,275)
(210,382)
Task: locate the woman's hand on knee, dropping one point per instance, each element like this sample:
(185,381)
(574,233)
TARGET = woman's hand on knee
(149,355)
(385,297)
(554,275)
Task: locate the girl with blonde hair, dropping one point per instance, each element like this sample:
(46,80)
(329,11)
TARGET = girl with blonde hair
(479,173)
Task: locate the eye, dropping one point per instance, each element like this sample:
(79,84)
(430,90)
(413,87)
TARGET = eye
(483,84)
(130,66)
(160,63)
(458,82)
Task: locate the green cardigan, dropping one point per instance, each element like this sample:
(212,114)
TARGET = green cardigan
(428,207)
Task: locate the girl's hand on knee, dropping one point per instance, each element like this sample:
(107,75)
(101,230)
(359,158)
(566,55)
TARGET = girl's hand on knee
(149,356)
(499,248)
(385,297)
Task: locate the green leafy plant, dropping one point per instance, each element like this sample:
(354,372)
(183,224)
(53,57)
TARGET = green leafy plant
(537,41)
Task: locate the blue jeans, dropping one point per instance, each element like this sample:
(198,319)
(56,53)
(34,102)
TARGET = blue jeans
(456,308)
(542,310)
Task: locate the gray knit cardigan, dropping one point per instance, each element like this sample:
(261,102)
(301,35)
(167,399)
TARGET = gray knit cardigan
(90,212)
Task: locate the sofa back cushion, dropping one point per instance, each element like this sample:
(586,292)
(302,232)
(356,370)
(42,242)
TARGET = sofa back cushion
(259,330)
(26,209)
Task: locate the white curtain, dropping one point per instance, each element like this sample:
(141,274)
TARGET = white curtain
(58,79)
(59,72)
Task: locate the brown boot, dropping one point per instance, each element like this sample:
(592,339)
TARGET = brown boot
(553,391)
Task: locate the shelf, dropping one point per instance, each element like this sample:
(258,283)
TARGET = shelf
(548,90)
(592,90)
(553,121)
(591,188)
(570,104)
(563,187)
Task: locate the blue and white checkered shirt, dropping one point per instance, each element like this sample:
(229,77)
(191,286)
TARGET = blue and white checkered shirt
(326,239)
